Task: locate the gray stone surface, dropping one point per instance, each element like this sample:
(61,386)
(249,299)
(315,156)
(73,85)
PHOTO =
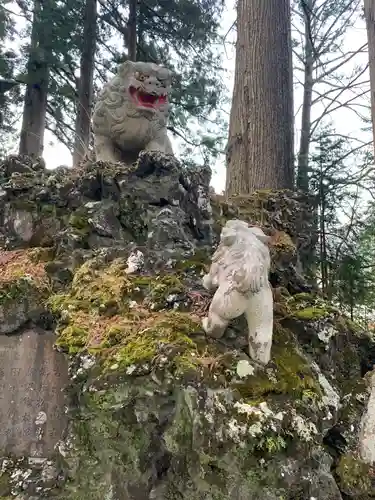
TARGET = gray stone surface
(32,401)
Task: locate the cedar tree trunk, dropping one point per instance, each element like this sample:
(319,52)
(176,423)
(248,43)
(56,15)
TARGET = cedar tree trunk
(370,24)
(132,30)
(260,144)
(35,101)
(85,86)
(304,147)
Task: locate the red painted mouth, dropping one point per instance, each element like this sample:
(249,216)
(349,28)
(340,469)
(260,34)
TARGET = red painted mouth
(147,100)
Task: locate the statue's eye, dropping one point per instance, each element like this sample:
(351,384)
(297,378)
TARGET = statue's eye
(139,76)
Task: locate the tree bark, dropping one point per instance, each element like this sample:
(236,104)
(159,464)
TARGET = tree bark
(132,30)
(85,87)
(304,147)
(35,101)
(260,144)
(370,25)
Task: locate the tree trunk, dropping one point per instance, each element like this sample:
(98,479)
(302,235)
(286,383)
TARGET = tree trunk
(132,30)
(35,101)
(370,24)
(85,87)
(304,148)
(260,144)
(323,238)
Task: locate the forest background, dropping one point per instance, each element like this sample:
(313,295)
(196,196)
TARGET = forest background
(333,141)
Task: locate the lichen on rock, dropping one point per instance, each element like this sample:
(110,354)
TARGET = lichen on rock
(113,261)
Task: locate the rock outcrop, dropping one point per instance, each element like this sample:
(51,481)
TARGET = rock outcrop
(111,261)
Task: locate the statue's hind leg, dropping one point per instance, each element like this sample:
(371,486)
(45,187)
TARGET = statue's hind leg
(226,304)
(259,315)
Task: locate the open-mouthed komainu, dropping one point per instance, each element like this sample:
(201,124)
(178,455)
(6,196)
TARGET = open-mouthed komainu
(131,113)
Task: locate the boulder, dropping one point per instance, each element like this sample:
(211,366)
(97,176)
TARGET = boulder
(111,259)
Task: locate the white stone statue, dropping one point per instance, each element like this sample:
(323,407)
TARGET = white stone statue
(239,273)
(367,429)
(131,113)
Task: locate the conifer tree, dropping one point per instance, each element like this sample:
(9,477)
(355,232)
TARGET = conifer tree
(260,144)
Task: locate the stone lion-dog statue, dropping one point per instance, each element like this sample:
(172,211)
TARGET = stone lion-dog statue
(131,113)
(239,273)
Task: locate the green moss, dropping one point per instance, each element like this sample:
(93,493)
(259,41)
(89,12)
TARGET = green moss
(82,432)
(311,313)
(99,314)
(272,444)
(73,337)
(252,208)
(353,476)
(16,290)
(293,375)
(41,254)
(48,209)
(199,262)
(302,297)
(23,279)
(27,205)
(99,288)
(353,327)
(353,391)
(310,397)
(133,217)
(111,288)
(79,222)
(5,485)
(282,243)
(169,331)
(309,307)
(162,287)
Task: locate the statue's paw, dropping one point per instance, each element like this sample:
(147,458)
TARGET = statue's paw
(206,282)
(261,360)
(205,324)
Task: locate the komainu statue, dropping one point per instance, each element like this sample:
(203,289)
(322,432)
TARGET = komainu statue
(131,113)
(239,273)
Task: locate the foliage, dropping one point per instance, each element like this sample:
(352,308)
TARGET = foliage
(7,67)
(341,180)
(333,76)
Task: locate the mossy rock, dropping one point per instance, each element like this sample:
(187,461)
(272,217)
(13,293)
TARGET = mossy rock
(24,286)
(5,485)
(355,478)
(309,307)
(78,220)
(311,313)
(109,290)
(159,288)
(120,318)
(292,374)
(199,262)
(25,204)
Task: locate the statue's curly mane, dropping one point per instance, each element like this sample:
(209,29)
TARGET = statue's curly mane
(112,105)
(244,263)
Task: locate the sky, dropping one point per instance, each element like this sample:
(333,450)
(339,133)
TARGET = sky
(345,121)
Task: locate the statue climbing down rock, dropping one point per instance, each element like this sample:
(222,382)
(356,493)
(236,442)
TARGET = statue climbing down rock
(239,272)
(131,113)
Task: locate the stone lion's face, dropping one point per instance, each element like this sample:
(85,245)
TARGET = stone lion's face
(147,86)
